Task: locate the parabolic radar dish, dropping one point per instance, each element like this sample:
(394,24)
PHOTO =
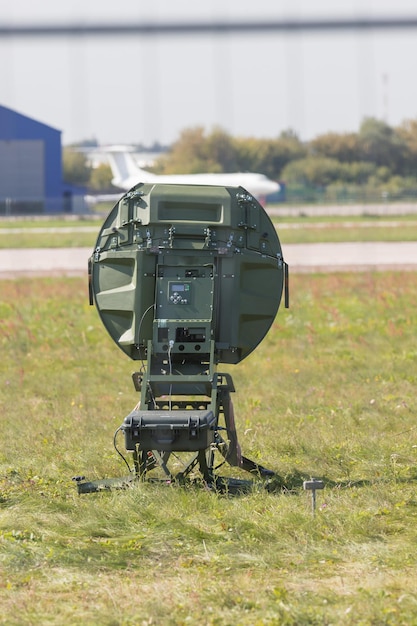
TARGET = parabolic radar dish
(192,269)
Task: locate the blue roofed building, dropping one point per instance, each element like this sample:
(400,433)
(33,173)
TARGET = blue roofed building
(30,166)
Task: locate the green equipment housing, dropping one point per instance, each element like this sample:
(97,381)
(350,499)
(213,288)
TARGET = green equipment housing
(184,278)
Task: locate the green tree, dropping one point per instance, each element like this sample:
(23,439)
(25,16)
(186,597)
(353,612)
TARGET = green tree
(376,157)
(379,144)
(101,177)
(268,156)
(408,134)
(313,171)
(359,172)
(217,151)
(344,147)
(194,152)
(221,150)
(76,169)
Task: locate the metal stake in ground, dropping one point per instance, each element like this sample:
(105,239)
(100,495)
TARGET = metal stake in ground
(312,485)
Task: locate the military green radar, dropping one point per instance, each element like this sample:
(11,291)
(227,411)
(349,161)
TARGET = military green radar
(184,278)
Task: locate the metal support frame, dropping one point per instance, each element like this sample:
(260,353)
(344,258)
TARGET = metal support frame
(201,465)
(186,278)
(202,460)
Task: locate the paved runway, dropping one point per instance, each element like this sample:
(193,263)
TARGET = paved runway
(315,257)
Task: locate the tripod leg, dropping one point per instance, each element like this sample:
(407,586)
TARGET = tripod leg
(205,469)
(231,451)
(162,460)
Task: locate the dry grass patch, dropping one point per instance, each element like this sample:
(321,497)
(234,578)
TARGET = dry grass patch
(330,393)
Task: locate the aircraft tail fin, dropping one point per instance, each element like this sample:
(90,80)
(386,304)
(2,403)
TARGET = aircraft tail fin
(124,167)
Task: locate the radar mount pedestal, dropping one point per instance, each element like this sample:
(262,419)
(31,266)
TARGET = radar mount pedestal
(185,277)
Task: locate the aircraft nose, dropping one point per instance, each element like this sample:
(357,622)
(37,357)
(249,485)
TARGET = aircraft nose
(273,187)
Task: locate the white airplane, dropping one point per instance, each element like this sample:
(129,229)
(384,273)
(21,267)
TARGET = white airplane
(127,173)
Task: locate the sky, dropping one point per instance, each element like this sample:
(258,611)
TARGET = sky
(142,90)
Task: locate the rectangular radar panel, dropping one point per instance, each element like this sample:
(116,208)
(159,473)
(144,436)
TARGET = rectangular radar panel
(184,308)
(184,292)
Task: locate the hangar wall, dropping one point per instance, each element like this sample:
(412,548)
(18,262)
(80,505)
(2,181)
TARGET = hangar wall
(22,156)
(30,165)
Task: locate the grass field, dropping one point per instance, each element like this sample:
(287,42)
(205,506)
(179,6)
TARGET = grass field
(332,231)
(83,233)
(330,393)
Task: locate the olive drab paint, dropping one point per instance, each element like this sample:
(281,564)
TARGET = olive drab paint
(187,264)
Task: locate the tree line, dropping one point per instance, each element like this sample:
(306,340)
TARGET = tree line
(378,159)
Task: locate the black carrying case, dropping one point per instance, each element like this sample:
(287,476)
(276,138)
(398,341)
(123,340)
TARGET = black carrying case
(178,431)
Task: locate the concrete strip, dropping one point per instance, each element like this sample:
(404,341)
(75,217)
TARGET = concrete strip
(43,261)
(314,257)
(351,255)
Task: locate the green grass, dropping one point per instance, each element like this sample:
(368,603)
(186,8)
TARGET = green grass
(65,233)
(291,230)
(330,393)
(333,230)
(43,240)
(36,222)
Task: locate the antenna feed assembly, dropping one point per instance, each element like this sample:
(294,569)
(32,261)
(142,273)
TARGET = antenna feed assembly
(184,278)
